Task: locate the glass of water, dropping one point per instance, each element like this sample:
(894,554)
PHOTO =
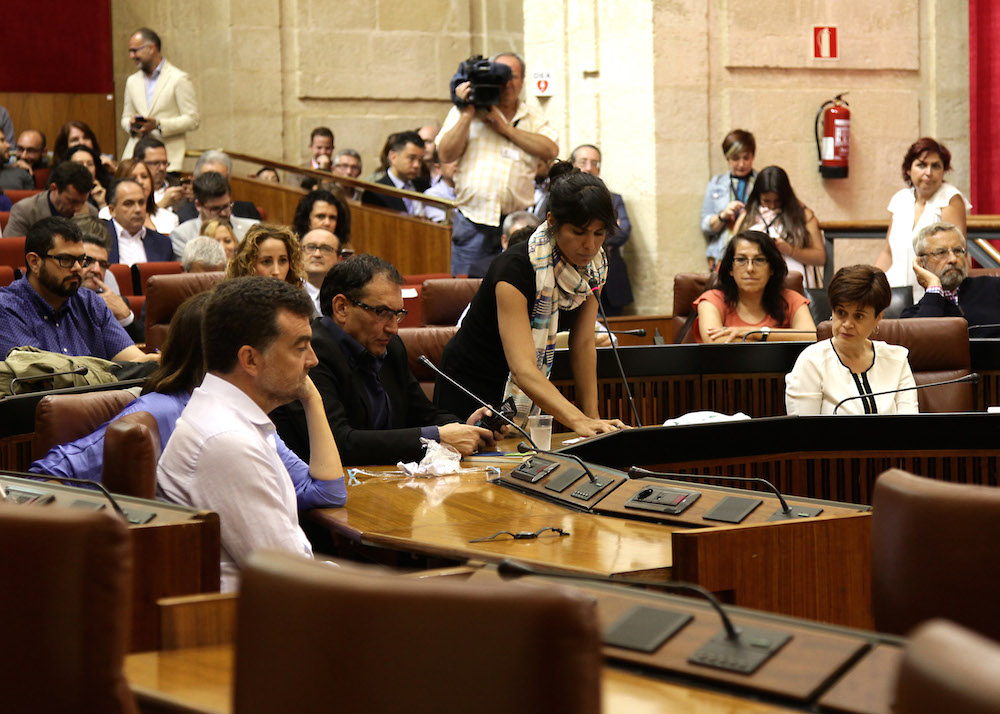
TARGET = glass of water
(540,428)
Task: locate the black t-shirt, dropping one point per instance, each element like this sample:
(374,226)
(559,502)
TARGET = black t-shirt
(475,357)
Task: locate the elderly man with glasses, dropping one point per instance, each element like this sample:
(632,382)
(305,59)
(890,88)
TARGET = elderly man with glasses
(942,269)
(47,309)
(376,408)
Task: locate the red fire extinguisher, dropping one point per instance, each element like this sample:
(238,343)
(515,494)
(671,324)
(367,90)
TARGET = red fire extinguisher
(832,152)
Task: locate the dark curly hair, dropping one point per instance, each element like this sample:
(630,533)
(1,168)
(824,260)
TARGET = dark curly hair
(920,147)
(300,224)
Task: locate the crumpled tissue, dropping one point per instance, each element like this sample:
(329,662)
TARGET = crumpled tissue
(439,460)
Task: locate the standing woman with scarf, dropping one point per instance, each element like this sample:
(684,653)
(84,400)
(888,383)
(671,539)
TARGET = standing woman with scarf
(506,343)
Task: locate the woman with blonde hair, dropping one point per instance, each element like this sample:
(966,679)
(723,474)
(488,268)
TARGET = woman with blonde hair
(268,250)
(222,230)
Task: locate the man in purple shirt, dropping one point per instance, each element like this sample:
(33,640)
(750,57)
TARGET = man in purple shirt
(47,309)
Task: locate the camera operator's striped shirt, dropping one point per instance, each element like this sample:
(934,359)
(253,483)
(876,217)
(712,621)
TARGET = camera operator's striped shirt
(495,176)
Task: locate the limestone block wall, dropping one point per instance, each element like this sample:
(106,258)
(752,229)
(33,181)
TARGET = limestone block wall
(267,72)
(658,84)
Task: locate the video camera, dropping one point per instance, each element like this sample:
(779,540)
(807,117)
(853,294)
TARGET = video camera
(487,79)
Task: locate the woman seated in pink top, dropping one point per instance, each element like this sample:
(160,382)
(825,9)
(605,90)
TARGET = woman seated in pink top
(750,301)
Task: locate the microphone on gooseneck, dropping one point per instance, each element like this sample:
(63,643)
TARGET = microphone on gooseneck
(785,512)
(783,331)
(18,381)
(595,286)
(637,332)
(430,365)
(741,650)
(970,378)
(524,448)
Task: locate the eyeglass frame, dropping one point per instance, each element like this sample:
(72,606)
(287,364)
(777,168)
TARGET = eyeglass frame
(85,261)
(399,315)
(325,249)
(958,252)
(758,260)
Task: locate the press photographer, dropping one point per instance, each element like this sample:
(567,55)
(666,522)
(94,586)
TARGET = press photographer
(495,145)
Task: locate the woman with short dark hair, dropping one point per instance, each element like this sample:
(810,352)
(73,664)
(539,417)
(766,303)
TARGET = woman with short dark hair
(850,363)
(927,199)
(506,343)
(751,302)
(727,193)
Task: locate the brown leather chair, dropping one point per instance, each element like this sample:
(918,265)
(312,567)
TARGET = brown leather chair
(947,668)
(689,286)
(934,553)
(123,276)
(980,272)
(131,449)
(453,646)
(61,418)
(12,251)
(142,272)
(6,275)
(17,194)
(4,217)
(939,351)
(164,294)
(65,596)
(428,341)
(444,300)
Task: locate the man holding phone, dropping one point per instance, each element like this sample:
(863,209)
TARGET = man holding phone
(159,99)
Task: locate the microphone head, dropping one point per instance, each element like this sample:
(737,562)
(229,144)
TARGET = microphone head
(974,378)
(83,369)
(424,360)
(524,447)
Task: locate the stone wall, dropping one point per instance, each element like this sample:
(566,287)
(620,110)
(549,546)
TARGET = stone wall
(266,72)
(658,84)
(655,83)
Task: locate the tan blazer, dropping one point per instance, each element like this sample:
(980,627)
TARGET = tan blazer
(174,106)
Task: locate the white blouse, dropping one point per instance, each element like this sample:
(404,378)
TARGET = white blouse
(819,380)
(902,231)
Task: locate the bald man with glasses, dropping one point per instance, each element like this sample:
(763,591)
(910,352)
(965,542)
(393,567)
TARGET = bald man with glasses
(377,410)
(46,308)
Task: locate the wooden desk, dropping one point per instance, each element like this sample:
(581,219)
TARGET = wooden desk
(175,553)
(438,517)
(201,680)
(833,669)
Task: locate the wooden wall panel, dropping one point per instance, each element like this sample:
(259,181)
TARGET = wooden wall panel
(47,112)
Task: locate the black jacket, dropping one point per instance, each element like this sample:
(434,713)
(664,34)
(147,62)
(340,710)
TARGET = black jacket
(349,410)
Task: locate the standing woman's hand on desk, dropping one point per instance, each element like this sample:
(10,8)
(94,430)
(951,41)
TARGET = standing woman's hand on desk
(324,457)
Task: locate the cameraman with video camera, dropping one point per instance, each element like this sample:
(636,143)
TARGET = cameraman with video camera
(494,137)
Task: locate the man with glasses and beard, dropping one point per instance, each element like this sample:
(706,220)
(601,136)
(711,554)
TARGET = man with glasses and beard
(47,309)
(942,269)
(376,408)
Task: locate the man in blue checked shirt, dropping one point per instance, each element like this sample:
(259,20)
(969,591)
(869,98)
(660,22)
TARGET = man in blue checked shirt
(48,310)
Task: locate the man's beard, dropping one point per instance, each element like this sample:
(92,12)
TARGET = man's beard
(953,277)
(63,288)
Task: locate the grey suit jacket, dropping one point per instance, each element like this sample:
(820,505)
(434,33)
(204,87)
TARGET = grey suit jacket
(28,211)
(174,106)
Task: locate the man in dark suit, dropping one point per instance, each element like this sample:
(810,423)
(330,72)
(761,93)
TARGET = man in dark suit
(69,189)
(406,156)
(376,408)
(942,269)
(618,290)
(131,242)
(220,163)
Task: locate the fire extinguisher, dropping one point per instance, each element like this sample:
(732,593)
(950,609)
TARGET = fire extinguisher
(832,153)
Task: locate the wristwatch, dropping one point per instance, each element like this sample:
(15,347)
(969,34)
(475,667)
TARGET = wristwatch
(765,332)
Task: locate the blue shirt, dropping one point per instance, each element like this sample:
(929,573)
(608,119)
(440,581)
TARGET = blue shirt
(82,326)
(84,457)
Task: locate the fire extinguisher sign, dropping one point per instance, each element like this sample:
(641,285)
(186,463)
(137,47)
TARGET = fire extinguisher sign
(825,44)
